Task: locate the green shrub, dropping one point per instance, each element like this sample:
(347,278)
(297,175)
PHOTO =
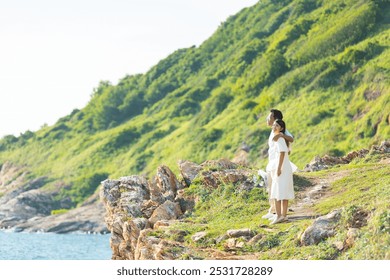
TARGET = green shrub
(59,211)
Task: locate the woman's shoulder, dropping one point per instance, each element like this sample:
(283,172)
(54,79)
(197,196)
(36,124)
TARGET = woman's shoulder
(280,138)
(281,142)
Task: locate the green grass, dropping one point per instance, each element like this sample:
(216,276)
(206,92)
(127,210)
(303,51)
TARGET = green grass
(361,191)
(361,186)
(222,209)
(325,64)
(59,211)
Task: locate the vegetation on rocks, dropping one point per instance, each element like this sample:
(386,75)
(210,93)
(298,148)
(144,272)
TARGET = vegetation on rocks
(359,191)
(325,64)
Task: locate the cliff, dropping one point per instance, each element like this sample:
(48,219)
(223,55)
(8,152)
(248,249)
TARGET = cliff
(136,207)
(213,211)
(324,64)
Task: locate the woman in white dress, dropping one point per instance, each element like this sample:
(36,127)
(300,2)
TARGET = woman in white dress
(281,169)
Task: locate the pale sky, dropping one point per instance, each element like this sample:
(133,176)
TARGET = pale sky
(53,53)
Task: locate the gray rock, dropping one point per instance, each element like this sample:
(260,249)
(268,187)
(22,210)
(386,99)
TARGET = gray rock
(167,211)
(133,206)
(352,234)
(189,170)
(161,201)
(167,183)
(88,218)
(198,236)
(233,244)
(322,228)
(255,239)
(28,201)
(339,245)
(240,233)
(221,238)
(25,206)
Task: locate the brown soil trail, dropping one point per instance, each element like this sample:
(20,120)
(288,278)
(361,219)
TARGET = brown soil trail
(307,197)
(310,191)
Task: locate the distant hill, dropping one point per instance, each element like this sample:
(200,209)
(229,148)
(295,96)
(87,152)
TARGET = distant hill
(325,64)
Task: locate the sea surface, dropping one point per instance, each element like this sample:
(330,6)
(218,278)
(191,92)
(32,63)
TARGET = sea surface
(51,246)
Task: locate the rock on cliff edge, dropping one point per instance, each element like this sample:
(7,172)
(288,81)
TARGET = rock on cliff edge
(136,206)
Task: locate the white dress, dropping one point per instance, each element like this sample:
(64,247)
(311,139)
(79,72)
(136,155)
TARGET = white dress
(282,186)
(274,156)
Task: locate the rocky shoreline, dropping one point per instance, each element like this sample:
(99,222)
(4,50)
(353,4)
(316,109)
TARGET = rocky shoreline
(136,206)
(85,219)
(25,206)
(138,209)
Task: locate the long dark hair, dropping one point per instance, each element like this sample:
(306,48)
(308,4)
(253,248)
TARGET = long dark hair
(283,126)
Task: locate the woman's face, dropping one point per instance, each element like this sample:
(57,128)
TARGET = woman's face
(276,127)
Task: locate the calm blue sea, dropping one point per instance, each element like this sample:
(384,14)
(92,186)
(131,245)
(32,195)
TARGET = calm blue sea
(51,246)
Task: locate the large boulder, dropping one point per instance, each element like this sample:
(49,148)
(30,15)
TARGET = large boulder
(322,228)
(138,209)
(167,211)
(189,170)
(133,205)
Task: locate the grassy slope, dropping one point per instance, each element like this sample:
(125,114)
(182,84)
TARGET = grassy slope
(224,209)
(325,64)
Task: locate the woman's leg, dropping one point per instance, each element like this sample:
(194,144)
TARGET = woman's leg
(269,186)
(284,207)
(278,207)
(271,210)
(279,218)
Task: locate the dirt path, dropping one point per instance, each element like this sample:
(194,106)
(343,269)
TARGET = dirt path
(303,207)
(311,191)
(314,190)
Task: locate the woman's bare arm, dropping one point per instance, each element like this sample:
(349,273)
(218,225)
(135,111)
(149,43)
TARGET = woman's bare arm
(281,158)
(286,137)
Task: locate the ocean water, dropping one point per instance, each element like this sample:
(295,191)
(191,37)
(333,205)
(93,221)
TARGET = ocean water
(51,246)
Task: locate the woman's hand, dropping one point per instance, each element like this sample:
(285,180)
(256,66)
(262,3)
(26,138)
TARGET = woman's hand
(279,171)
(277,136)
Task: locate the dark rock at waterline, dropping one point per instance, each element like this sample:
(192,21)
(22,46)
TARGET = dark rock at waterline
(88,218)
(26,206)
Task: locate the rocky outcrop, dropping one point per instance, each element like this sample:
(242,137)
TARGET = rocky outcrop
(11,177)
(326,226)
(322,228)
(212,173)
(138,209)
(26,206)
(327,161)
(21,197)
(134,205)
(88,218)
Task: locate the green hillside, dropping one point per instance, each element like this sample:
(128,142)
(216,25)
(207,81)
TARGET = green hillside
(325,64)
(224,208)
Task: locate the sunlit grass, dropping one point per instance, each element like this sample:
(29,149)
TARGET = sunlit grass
(356,187)
(330,56)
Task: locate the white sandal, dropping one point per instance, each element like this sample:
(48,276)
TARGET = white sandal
(277,220)
(268,216)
